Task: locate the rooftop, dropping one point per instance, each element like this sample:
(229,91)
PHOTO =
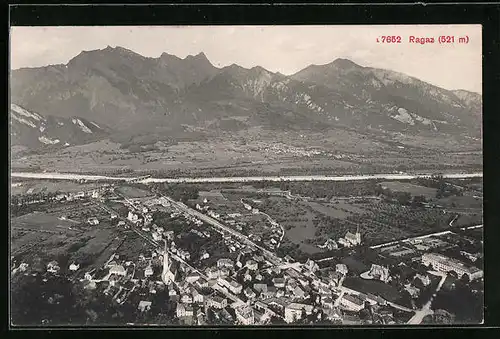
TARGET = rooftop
(298,306)
(450,261)
(354,299)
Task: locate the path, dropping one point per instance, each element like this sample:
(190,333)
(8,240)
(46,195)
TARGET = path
(426,309)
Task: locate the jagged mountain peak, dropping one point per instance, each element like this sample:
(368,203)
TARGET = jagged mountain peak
(199,56)
(118,86)
(260,70)
(108,54)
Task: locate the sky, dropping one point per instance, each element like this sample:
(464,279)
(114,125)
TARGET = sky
(284,49)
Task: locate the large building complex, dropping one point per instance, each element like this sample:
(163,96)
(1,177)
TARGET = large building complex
(444,264)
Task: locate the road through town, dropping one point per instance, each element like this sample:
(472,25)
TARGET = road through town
(273,257)
(426,309)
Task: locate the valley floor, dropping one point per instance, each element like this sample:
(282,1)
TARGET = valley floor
(228,157)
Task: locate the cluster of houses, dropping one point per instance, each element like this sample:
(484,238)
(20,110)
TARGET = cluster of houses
(287,149)
(235,221)
(95,193)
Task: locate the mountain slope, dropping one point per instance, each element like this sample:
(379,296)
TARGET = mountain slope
(32,130)
(120,88)
(412,104)
(113,86)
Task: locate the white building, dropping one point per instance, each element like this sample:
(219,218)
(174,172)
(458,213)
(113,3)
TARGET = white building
(294,311)
(156,236)
(180,310)
(245,315)
(144,305)
(344,242)
(79,195)
(231,285)
(329,244)
(354,239)
(186,299)
(311,265)
(169,270)
(93,221)
(212,273)
(132,217)
(216,302)
(224,262)
(74,267)
(192,277)
(341,268)
(53,267)
(148,271)
(424,279)
(379,272)
(249,293)
(252,265)
(279,282)
(189,311)
(117,269)
(197,296)
(442,263)
(224,272)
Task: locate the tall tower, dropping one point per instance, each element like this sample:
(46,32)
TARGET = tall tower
(358,236)
(166,266)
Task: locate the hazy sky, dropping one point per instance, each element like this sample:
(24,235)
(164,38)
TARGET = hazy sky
(285,49)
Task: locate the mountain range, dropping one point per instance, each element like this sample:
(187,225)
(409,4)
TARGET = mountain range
(125,92)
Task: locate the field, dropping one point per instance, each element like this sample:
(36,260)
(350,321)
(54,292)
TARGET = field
(38,186)
(296,219)
(339,210)
(133,246)
(256,151)
(40,221)
(308,222)
(133,192)
(463,202)
(378,222)
(414,190)
(45,235)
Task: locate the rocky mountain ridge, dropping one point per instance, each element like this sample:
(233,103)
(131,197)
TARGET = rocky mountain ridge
(123,89)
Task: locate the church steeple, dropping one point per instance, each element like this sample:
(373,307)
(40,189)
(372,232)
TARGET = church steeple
(358,235)
(166,265)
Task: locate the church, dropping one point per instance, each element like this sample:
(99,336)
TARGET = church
(169,272)
(351,239)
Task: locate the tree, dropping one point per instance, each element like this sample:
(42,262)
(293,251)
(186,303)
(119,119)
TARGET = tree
(275,320)
(464,279)
(403,198)
(418,200)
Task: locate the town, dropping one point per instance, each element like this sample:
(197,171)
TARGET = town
(210,255)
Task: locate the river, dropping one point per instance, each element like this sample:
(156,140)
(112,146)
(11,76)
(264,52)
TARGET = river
(388,176)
